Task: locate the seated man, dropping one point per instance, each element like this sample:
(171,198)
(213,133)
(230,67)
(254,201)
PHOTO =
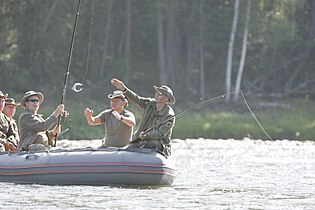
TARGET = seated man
(118,122)
(9,111)
(5,127)
(33,128)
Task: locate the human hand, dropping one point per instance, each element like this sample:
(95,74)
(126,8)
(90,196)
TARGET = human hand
(117,115)
(88,112)
(56,130)
(65,115)
(59,110)
(142,135)
(118,84)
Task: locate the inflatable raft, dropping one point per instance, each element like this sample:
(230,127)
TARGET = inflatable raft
(88,166)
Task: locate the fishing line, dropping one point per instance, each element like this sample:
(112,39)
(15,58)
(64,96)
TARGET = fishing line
(78,86)
(252,113)
(203,103)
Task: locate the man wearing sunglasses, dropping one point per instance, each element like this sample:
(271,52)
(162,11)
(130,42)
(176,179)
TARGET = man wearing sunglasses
(33,128)
(158,119)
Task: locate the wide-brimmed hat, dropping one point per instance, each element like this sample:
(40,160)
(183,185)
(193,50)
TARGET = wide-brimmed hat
(117,94)
(165,90)
(2,95)
(29,94)
(11,101)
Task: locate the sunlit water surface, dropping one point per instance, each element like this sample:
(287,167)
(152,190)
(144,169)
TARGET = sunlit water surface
(212,174)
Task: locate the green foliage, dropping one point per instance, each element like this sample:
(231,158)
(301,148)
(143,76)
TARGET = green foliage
(281,119)
(36,34)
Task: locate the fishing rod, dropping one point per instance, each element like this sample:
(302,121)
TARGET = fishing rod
(203,103)
(185,111)
(69,63)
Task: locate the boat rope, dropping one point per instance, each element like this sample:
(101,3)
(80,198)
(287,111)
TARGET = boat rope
(77,87)
(252,113)
(69,63)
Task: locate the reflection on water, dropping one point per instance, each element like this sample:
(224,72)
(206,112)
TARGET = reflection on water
(212,174)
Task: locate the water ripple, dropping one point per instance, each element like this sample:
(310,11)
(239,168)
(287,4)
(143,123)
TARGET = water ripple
(212,174)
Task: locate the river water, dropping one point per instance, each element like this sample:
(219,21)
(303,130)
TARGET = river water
(212,174)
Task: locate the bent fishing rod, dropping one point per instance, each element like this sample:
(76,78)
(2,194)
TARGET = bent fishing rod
(69,63)
(185,111)
(203,103)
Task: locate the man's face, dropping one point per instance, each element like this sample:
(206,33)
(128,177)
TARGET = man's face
(9,110)
(32,103)
(117,103)
(160,97)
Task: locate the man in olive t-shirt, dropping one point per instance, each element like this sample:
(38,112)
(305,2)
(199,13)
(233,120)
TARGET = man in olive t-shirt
(118,121)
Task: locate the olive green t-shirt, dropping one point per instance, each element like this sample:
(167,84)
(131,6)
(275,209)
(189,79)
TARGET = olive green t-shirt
(117,133)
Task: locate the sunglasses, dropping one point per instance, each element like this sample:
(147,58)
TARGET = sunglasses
(33,100)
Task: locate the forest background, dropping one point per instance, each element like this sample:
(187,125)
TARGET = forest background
(200,48)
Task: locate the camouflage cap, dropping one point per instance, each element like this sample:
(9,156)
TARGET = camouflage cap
(11,101)
(117,94)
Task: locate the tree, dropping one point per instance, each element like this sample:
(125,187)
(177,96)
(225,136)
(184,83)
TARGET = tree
(230,51)
(160,42)
(106,37)
(243,55)
(128,34)
(313,17)
(202,70)
(170,41)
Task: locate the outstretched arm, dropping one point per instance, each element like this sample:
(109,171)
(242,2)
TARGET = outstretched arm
(90,119)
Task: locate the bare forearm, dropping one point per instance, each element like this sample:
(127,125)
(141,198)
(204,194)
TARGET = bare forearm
(130,121)
(92,120)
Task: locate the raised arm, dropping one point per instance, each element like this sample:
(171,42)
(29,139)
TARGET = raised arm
(118,84)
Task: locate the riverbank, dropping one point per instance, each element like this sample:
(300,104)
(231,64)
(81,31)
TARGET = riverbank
(292,119)
(280,118)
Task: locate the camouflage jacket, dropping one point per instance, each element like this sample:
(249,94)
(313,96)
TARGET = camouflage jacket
(163,120)
(9,128)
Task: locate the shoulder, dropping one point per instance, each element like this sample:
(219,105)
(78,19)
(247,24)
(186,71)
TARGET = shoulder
(7,118)
(25,114)
(106,111)
(104,114)
(3,119)
(170,110)
(128,113)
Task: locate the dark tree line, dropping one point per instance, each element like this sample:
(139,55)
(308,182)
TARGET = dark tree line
(184,44)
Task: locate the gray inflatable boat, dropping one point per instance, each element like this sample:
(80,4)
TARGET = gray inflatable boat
(88,166)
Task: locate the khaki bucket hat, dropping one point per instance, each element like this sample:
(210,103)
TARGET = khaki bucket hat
(166,91)
(29,94)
